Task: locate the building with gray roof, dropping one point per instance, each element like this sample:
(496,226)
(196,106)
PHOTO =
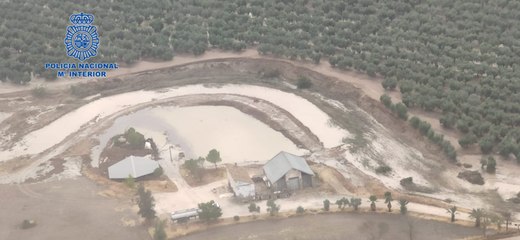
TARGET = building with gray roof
(287,171)
(132,166)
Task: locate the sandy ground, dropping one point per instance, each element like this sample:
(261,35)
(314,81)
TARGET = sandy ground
(67,209)
(512,238)
(339,226)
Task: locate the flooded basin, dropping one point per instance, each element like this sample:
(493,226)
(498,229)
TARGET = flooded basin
(197,129)
(307,113)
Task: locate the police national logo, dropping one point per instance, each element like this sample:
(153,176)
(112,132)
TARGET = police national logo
(81,42)
(82,39)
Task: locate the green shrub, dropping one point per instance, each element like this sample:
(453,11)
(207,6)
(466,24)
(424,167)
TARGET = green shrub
(415,122)
(467,140)
(491,165)
(159,232)
(300,210)
(236,218)
(383,169)
(449,150)
(304,82)
(406,181)
(486,144)
(326,205)
(438,139)
(386,100)
(270,73)
(39,92)
(130,181)
(272,207)
(402,111)
(448,120)
(389,83)
(134,138)
(506,147)
(424,127)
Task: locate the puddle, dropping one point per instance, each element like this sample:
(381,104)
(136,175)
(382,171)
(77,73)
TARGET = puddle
(237,136)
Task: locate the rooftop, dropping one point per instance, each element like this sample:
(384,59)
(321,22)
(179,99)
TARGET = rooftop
(132,166)
(282,163)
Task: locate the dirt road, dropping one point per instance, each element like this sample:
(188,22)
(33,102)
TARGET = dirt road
(370,86)
(339,226)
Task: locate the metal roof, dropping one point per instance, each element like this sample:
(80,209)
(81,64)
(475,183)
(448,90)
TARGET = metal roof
(282,163)
(134,166)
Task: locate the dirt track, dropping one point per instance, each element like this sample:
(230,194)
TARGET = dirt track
(339,226)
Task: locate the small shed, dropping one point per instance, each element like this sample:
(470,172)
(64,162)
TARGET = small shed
(287,171)
(132,166)
(240,182)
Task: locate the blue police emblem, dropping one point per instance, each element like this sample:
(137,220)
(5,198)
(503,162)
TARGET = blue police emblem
(82,39)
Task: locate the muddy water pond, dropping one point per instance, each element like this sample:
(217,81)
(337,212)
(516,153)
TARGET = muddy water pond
(198,129)
(307,113)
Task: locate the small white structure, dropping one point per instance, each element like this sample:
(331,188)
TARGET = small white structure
(132,166)
(241,183)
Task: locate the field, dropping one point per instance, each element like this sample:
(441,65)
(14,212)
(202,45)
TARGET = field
(337,226)
(66,209)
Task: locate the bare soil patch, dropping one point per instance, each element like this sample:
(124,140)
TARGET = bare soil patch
(162,185)
(327,175)
(57,167)
(209,175)
(15,165)
(67,209)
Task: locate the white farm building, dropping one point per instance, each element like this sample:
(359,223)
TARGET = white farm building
(240,182)
(132,166)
